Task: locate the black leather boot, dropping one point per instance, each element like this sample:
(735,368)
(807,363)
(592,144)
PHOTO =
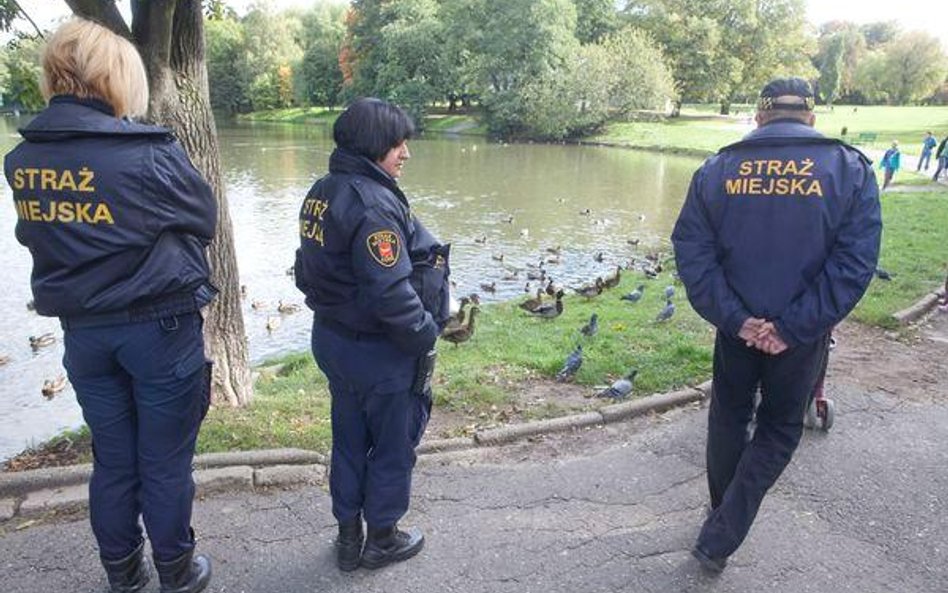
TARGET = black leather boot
(349,544)
(385,546)
(129,574)
(185,574)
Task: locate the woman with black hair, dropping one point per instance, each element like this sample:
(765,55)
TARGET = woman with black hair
(377,282)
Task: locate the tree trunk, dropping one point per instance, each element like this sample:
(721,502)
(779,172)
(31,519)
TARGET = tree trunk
(725,107)
(676,109)
(170,37)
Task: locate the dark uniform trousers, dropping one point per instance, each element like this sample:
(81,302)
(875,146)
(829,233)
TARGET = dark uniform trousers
(740,472)
(377,421)
(144,389)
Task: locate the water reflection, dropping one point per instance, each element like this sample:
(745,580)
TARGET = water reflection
(462,188)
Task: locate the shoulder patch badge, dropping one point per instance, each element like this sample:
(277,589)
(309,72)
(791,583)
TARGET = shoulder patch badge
(384,247)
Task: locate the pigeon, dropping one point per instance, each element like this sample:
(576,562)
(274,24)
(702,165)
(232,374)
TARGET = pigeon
(621,387)
(666,313)
(591,328)
(635,295)
(669,292)
(572,364)
(883,275)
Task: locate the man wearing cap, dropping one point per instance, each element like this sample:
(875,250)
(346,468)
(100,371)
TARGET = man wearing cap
(775,244)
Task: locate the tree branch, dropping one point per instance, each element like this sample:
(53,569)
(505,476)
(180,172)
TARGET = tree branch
(103,12)
(151,27)
(27,17)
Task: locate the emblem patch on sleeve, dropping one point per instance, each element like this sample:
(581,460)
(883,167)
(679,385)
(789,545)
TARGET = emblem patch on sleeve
(384,247)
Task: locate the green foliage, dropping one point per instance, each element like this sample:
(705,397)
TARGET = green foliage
(831,69)
(595,19)
(642,79)
(20,73)
(228,80)
(914,67)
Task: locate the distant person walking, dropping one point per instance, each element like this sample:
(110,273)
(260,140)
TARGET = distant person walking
(942,155)
(928,144)
(891,161)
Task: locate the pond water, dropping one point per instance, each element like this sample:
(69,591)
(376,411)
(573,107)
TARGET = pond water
(486,199)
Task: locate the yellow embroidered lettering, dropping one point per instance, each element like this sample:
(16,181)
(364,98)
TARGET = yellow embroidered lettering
(48,179)
(50,213)
(745,168)
(815,188)
(34,212)
(732,186)
(805,167)
(753,186)
(31,173)
(86,176)
(796,188)
(82,212)
(773,167)
(768,187)
(790,168)
(18,181)
(67,212)
(782,186)
(102,213)
(66,181)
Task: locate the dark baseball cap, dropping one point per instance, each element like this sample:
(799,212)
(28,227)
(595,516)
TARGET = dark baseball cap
(793,94)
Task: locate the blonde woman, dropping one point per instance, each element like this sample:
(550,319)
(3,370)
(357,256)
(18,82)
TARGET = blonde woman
(117,220)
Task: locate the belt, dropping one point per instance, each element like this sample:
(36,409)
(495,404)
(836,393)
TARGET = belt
(340,329)
(178,304)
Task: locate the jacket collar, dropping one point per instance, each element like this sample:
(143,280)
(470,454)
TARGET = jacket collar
(783,128)
(71,117)
(348,162)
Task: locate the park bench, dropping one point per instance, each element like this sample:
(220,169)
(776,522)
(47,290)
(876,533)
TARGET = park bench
(865,137)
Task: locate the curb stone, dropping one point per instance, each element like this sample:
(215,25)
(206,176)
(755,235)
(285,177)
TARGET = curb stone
(65,488)
(919,309)
(67,498)
(223,478)
(7,509)
(288,475)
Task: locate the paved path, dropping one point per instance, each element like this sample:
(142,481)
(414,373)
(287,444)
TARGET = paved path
(861,509)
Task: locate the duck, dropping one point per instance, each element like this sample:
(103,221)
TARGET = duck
(667,311)
(613,281)
(514,275)
(591,291)
(551,288)
(492,287)
(620,388)
(585,212)
(273,322)
(457,320)
(633,242)
(572,364)
(53,386)
(482,240)
(4,359)
(532,303)
(464,332)
(550,310)
(635,295)
(554,250)
(524,232)
(591,328)
(526,288)
(882,274)
(509,219)
(599,257)
(243,291)
(31,305)
(553,259)
(41,341)
(287,308)
(291,271)
(539,274)
(497,257)
(258,305)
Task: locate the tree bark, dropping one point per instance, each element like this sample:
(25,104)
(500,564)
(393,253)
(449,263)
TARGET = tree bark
(170,37)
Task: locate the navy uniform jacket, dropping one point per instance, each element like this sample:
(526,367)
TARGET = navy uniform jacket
(114,214)
(365,263)
(784,225)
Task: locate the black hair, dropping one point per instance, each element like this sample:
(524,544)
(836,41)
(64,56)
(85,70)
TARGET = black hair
(371,127)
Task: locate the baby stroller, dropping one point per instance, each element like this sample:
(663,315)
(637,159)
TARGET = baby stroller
(822,411)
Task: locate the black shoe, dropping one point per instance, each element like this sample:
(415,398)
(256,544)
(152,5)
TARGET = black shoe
(385,546)
(714,565)
(129,574)
(185,574)
(349,544)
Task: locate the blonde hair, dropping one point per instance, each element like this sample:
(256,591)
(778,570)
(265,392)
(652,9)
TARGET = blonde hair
(85,59)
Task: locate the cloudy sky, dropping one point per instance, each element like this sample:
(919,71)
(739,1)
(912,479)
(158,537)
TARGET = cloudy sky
(928,16)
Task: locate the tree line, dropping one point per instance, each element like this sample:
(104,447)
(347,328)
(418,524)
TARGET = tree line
(546,69)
